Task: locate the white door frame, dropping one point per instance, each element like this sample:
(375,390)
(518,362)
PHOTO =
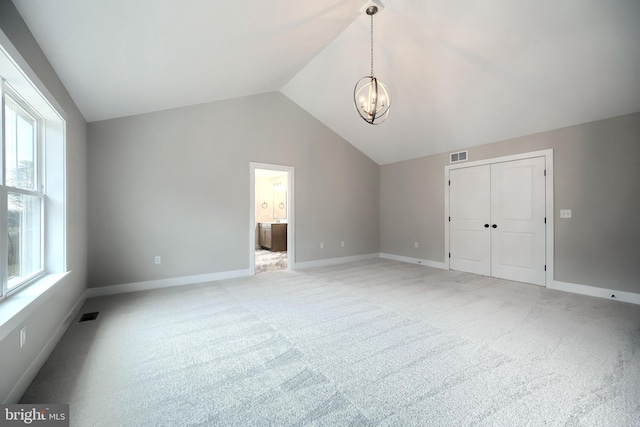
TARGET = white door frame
(548,155)
(291,250)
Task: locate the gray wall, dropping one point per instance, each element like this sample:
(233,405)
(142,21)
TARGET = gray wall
(597,175)
(42,325)
(175,183)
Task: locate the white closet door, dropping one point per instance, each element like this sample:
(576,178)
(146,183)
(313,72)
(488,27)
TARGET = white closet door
(469,207)
(518,220)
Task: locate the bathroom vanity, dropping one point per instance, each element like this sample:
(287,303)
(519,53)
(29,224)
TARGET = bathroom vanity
(272,236)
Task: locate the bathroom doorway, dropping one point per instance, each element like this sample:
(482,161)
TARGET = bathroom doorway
(271,242)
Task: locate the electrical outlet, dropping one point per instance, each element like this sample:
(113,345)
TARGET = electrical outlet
(321,245)
(342,243)
(415,244)
(23,336)
(565,213)
(158,259)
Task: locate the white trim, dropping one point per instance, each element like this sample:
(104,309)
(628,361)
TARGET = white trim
(425,262)
(29,375)
(592,291)
(24,71)
(574,288)
(549,236)
(623,296)
(16,310)
(291,223)
(25,82)
(334,261)
(165,283)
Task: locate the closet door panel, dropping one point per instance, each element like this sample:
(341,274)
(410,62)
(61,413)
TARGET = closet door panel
(469,207)
(518,220)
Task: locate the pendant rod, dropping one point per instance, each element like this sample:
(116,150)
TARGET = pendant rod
(371,45)
(372,10)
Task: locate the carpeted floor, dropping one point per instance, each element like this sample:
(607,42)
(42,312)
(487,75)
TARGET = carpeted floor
(370,343)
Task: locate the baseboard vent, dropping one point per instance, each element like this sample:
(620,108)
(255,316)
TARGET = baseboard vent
(89,316)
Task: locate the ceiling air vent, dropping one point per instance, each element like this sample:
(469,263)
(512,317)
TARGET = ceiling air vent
(460,156)
(89,316)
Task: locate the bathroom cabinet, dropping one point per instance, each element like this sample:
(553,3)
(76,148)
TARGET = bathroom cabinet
(272,236)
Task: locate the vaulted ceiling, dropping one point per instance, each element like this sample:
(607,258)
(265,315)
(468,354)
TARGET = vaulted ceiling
(461,73)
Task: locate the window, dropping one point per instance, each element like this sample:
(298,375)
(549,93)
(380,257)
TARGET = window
(32,182)
(21,192)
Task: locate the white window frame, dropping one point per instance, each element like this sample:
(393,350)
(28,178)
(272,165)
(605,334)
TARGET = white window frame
(24,82)
(9,286)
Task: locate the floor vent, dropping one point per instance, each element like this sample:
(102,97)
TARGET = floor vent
(89,316)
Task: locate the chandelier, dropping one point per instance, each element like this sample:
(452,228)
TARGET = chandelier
(370,95)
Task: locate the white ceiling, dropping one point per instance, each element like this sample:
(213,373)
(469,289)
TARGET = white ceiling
(461,73)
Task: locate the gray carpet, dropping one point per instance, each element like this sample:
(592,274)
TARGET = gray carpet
(370,343)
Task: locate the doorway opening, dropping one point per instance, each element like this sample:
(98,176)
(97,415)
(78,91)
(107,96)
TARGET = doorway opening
(271,242)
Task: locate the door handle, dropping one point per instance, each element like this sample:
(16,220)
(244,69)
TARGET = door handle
(494,226)
(486,226)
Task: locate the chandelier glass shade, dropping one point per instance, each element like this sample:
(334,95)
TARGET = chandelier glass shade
(371,97)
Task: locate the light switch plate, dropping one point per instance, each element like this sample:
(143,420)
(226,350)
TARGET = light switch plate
(565,213)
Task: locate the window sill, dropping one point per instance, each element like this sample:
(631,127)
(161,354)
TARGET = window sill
(15,310)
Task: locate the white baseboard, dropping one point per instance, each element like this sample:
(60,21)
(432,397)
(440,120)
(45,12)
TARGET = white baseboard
(574,288)
(425,262)
(190,280)
(29,375)
(592,291)
(334,261)
(165,283)
(623,296)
